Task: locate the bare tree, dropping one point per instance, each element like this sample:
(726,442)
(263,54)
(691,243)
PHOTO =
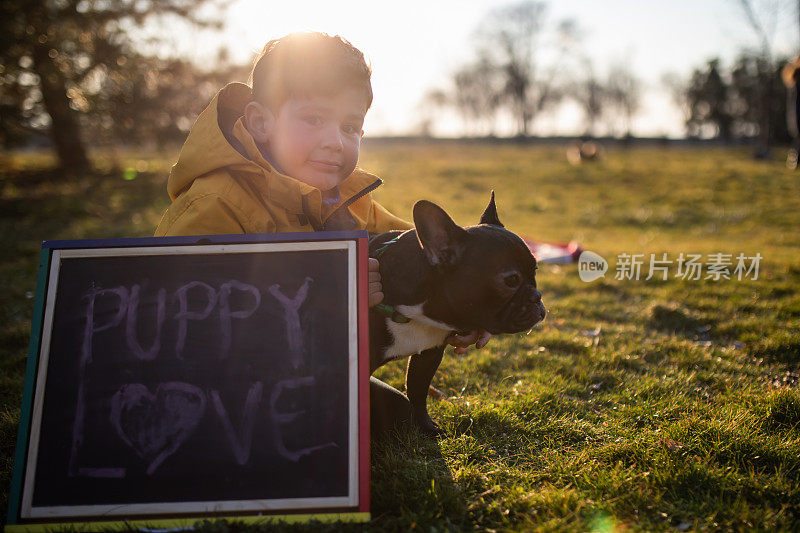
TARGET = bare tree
(477,94)
(430,103)
(513,38)
(676,85)
(623,91)
(591,95)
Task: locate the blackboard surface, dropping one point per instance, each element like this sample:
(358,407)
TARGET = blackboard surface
(185,379)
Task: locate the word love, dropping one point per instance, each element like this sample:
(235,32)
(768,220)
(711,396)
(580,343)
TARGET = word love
(155,425)
(195,301)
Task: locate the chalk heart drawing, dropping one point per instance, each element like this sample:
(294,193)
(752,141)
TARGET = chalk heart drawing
(156,425)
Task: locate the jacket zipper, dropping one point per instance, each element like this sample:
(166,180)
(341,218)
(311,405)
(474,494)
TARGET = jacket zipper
(366,190)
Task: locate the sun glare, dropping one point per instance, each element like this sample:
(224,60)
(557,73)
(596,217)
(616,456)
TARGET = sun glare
(415,47)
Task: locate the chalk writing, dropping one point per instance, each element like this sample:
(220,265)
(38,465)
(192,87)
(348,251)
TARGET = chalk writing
(183,314)
(128,307)
(91,329)
(280,418)
(130,326)
(195,378)
(240,444)
(225,313)
(155,425)
(86,357)
(292,308)
(111,473)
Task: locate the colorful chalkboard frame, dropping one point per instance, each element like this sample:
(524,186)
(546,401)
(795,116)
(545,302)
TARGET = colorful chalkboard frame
(23,516)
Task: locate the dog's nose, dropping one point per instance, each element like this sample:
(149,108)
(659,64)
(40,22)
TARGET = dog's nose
(537,296)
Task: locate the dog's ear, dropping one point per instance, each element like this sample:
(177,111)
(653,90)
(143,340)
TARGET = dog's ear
(489,215)
(442,239)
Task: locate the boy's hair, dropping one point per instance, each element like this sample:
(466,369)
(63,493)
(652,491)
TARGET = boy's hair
(306,64)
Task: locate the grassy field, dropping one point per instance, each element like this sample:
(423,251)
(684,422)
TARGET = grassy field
(643,405)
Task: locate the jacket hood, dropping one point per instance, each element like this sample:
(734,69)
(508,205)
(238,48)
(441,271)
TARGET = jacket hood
(211,143)
(218,139)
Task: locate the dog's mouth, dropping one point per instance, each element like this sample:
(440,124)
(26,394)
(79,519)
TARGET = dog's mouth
(521,313)
(529,317)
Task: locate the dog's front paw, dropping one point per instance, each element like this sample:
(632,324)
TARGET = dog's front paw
(428,427)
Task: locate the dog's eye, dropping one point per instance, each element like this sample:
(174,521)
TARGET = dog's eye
(512,280)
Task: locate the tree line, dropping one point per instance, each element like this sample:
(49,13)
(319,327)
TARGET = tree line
(525,66)
(745,99)
(72,74)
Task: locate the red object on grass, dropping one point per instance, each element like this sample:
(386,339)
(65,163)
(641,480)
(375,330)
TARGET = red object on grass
(554,252)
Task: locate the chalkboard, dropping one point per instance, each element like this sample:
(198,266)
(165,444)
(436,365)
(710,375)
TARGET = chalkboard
(179,379)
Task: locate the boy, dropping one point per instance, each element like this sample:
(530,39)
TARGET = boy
(282,156)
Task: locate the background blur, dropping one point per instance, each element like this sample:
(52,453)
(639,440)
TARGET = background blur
(91,73)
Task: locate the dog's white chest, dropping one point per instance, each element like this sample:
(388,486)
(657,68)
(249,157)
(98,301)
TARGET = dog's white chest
(415,336)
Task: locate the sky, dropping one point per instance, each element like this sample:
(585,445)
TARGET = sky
(415,45)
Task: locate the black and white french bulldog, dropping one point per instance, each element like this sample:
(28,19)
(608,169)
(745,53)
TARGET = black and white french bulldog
(441,278)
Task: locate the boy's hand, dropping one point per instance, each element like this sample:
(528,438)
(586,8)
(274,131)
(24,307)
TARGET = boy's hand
(375,288)
(462,342)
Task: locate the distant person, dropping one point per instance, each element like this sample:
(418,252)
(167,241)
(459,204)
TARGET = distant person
(791,76)
(281,156)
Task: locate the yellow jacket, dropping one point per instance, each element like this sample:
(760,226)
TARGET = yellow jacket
(222,184)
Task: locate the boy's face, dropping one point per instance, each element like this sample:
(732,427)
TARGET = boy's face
(316,139)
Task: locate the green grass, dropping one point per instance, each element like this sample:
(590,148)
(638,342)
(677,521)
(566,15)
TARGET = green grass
(682,412)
